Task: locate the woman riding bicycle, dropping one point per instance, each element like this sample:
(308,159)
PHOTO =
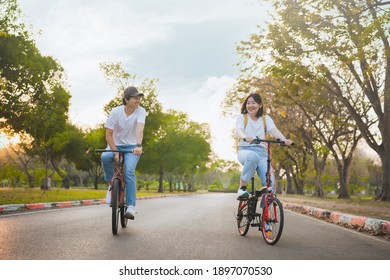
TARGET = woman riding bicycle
(124,131)
(252,123)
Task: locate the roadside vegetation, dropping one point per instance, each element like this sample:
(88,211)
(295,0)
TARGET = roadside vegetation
(26,195)
(315,83)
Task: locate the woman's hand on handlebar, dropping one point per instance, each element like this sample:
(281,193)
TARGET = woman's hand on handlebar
(248,139)
(288,142)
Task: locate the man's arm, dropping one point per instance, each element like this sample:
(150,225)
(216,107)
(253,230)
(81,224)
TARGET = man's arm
(140,137)
(110,142)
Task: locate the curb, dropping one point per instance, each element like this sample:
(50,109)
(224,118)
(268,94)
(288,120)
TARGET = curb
(375,226)
(10,208)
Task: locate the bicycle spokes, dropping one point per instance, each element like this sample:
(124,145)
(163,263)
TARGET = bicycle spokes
(272,221)
(243,219)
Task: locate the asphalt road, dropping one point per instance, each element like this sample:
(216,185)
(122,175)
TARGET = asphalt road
(191,227)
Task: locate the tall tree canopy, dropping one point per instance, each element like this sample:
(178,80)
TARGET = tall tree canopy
(343,46)
(33,96)
(172,143)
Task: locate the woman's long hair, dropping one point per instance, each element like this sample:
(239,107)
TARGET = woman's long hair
(257,99)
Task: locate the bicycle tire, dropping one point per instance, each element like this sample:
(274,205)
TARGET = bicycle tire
(115,206)
(123,218)
(123,208)
(274,218)
(243,220)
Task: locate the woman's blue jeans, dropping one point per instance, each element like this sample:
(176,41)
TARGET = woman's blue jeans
(252,157)
(130,163)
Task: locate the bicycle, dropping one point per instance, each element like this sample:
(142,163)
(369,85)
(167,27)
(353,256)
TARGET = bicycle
(271,220)
(118,192)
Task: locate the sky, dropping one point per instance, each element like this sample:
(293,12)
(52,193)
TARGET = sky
(189,45)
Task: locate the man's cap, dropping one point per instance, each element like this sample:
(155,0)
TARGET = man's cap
(131,92)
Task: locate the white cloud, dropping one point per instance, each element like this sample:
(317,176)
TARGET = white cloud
(189,45)
(204,104)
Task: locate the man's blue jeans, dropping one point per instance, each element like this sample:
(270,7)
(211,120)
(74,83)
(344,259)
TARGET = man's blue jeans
(130,163)
(252,157)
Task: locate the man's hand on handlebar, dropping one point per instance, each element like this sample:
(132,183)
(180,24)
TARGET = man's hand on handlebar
(116,157)
(137,151)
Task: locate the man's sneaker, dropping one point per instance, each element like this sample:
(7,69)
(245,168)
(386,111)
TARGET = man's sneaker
(130,212)
(242,193)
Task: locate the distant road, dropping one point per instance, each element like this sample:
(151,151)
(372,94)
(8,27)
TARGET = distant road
(191,227)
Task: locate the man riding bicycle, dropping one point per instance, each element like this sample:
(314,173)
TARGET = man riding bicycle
(124,131)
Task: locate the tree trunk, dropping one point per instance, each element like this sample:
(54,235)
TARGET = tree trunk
(384,194)
(24,161)
(299,182)
(161,180)
(170,180)
(289,183)
(319,168)
(343,168)
(64,176)
(278,185)
(96,182)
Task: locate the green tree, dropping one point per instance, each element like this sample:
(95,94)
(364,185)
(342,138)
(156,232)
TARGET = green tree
(346,44)
(69,144)
(26,75)
(181,147)
(342,45)
(173,144)
(118,77)
(10,174)
(33,98)
(224,170)
(89,160)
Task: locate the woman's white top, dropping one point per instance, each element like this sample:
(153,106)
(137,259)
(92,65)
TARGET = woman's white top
(253,128)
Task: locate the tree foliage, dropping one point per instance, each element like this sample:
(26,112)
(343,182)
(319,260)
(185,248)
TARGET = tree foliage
(33,96)
(340,46)
(173,144)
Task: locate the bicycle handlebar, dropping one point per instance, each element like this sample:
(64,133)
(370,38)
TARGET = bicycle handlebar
(114,151)
(277,141)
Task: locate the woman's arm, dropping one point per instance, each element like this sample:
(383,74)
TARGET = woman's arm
(278,135)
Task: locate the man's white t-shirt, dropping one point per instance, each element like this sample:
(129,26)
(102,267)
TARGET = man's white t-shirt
(254,128)
(125,127)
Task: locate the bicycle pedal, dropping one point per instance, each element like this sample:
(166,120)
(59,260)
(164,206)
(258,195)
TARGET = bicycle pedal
(256,225)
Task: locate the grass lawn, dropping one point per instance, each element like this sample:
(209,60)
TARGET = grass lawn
(36,195)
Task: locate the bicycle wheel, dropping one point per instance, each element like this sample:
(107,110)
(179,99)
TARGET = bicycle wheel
(115,206)
(123,218)
(272,220)
(243,220)
(123,207)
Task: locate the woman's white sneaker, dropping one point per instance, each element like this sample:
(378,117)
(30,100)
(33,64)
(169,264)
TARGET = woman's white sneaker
(242,193)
